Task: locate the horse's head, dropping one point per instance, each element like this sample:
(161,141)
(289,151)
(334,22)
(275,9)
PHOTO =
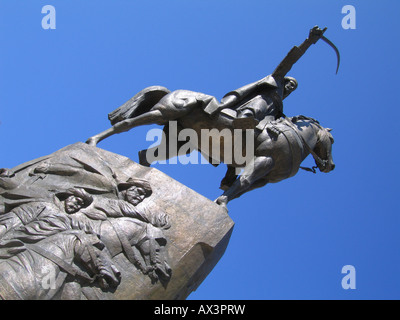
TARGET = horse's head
(323,150)
(151,242)
(155,255)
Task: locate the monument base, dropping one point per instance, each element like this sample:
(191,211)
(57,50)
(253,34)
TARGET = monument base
(85,223)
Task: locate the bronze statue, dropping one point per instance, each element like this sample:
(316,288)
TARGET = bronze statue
(74,234)
(80,258)
(253,107)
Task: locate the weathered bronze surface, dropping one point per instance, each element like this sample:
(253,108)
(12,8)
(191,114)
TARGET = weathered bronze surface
(85,223)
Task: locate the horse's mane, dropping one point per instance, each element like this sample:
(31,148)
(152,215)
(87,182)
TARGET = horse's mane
(302,117)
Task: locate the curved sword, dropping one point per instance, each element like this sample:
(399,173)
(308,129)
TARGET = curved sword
(298,51)
(334,48)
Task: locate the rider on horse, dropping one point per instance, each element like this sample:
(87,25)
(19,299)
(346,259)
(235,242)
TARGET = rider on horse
(259,103)
(255,104)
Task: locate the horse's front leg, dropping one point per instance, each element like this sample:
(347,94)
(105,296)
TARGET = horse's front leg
(257,169)
(168,148)
(150,117)
(229,179)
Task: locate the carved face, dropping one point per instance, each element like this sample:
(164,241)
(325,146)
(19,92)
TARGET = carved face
(73,204)
(135,195)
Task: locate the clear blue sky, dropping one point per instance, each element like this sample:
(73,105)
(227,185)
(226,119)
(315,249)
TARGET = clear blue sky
(290,239)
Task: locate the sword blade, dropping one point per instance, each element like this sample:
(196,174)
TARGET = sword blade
(334,48)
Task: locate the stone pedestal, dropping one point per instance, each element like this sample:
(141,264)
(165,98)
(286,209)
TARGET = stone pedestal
(175,236)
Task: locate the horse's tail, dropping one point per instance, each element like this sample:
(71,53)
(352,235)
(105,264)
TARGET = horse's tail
(142,102)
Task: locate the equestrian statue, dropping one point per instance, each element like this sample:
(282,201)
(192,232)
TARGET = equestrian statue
(280,143)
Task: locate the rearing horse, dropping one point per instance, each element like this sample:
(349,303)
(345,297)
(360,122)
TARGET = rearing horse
(279,148)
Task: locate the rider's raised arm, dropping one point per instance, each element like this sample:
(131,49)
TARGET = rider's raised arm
(296,53)
(232,99)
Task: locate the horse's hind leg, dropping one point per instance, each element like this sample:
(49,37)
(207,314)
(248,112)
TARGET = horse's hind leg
(150,117)
(254,172)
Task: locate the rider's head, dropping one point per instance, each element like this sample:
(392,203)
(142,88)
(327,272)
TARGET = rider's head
(290,85)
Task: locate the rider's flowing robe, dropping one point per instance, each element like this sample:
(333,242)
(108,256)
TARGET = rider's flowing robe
(263,98)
